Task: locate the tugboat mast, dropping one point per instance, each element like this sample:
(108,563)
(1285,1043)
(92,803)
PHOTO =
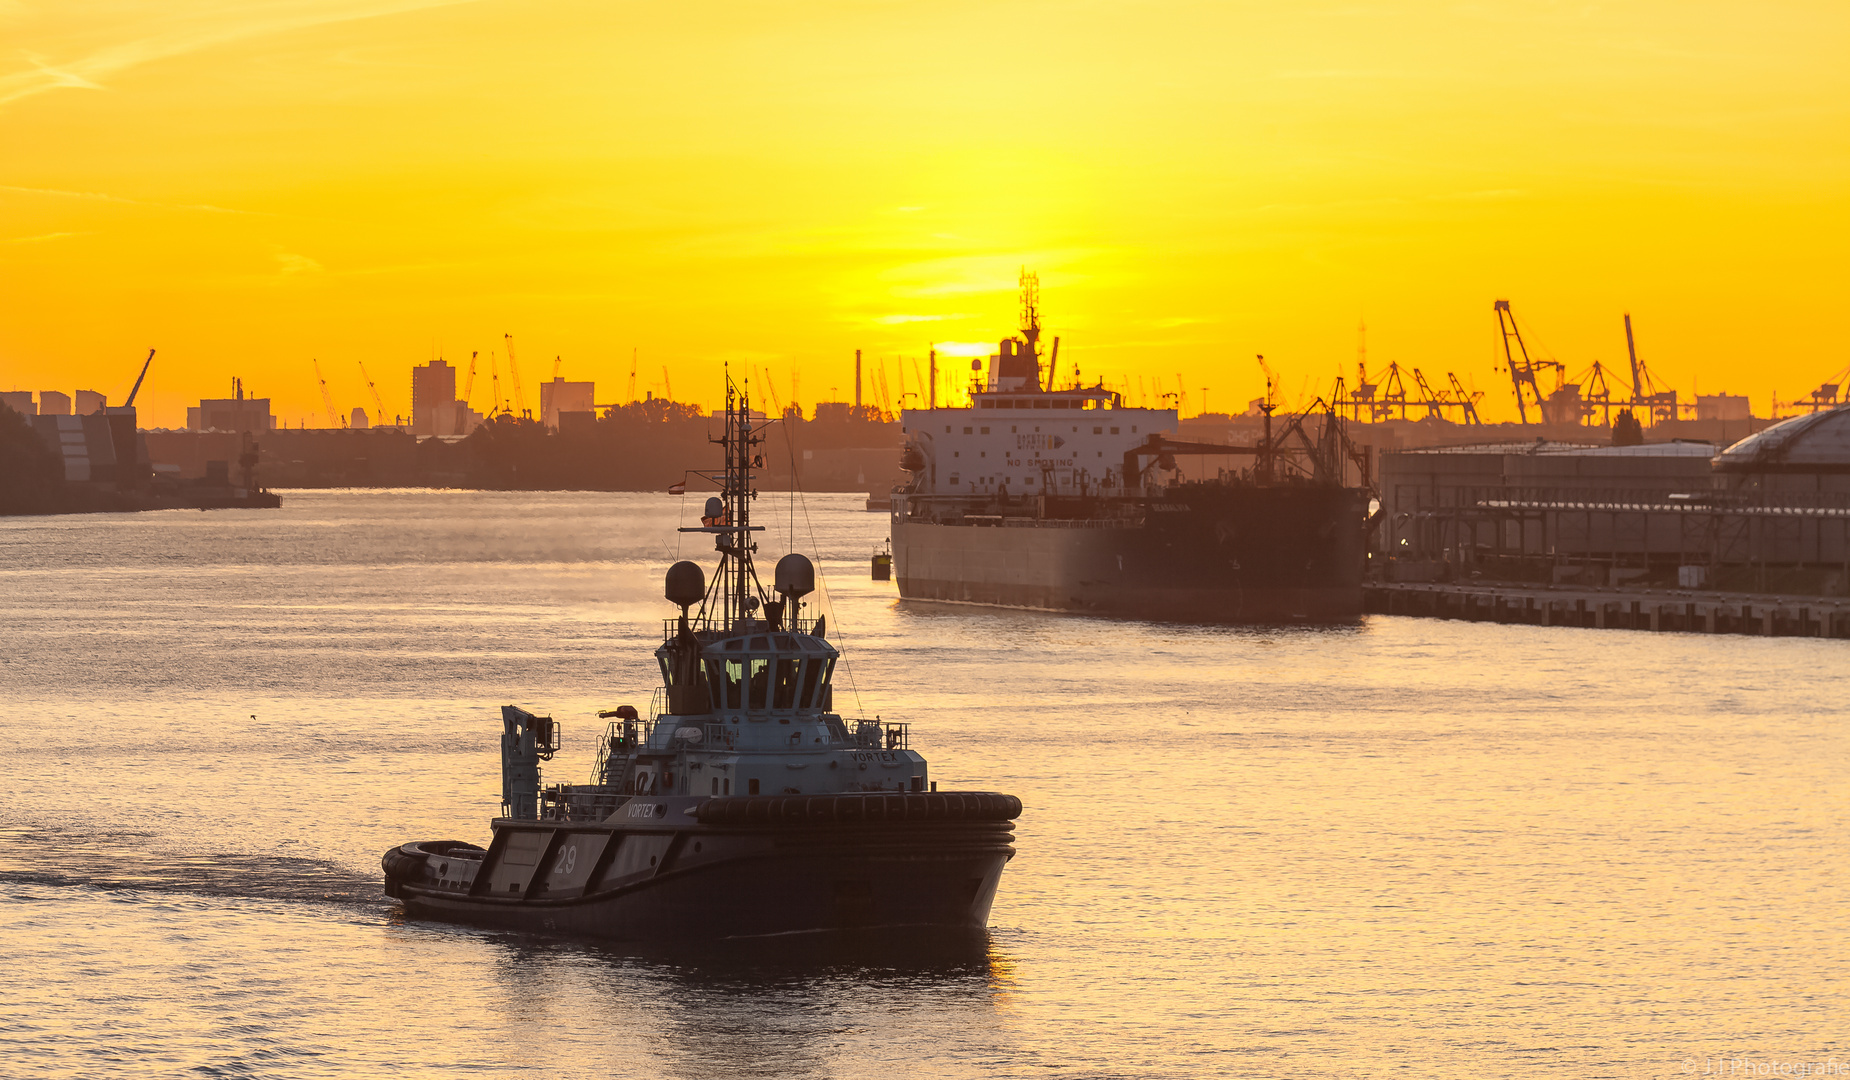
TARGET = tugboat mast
(736,594)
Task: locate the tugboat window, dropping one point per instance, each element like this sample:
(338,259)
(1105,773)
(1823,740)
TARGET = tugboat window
(817,676)
(761,683)
(735,674)
(786,696)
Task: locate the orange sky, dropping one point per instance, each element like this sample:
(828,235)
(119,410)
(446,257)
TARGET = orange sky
(249,186)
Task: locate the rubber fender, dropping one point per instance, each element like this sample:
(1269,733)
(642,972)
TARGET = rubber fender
(857,808)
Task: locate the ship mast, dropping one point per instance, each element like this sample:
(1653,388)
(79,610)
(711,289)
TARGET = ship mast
(736,594)
(1031,321)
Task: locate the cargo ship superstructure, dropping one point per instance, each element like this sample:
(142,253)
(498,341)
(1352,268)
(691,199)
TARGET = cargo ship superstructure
(743,804)
(1070,500)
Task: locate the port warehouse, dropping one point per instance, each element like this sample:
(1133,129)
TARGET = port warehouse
(1521,532)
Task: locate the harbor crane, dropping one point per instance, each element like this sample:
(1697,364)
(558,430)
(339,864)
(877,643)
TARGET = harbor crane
(1271,383)
(469,380)
(378,417)
(513,372)
(327,398)
(1466,400)
(1661,401)
(1521,367)
(130,403)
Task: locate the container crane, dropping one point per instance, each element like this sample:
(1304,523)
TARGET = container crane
(327,399)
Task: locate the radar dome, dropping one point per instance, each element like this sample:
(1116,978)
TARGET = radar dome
(796,575)
(715,508)
(687,583)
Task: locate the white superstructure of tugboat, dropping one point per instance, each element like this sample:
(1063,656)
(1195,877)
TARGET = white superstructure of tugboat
(742,804)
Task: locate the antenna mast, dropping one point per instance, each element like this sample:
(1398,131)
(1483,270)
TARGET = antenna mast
(1031,319)
(737,593)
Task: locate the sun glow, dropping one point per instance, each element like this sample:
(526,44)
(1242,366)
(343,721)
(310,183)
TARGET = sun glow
(387,181)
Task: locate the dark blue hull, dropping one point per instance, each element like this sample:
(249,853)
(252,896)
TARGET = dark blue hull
(804,865)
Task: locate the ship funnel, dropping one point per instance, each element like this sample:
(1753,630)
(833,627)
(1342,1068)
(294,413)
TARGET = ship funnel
(796,575)
(687,583)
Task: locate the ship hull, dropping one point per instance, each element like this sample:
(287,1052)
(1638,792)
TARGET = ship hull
(719,878)
(1258,555)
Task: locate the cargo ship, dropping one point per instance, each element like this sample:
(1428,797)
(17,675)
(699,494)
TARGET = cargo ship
(1069,500)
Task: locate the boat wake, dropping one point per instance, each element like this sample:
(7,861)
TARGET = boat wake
(141,862)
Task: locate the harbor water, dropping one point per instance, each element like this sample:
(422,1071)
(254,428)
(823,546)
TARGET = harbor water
(1405,846)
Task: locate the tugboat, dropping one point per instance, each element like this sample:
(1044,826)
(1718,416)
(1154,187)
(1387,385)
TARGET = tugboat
(743,805)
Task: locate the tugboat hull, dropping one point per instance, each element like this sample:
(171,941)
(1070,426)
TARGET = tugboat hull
(736,868)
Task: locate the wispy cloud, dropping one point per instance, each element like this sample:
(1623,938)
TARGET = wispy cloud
(103,196)
(92,70)
(900,320)
(291,263)
(40,238)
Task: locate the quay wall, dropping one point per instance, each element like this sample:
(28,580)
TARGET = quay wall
(1658,610)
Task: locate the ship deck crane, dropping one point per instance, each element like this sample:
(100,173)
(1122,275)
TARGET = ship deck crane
(327,398)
